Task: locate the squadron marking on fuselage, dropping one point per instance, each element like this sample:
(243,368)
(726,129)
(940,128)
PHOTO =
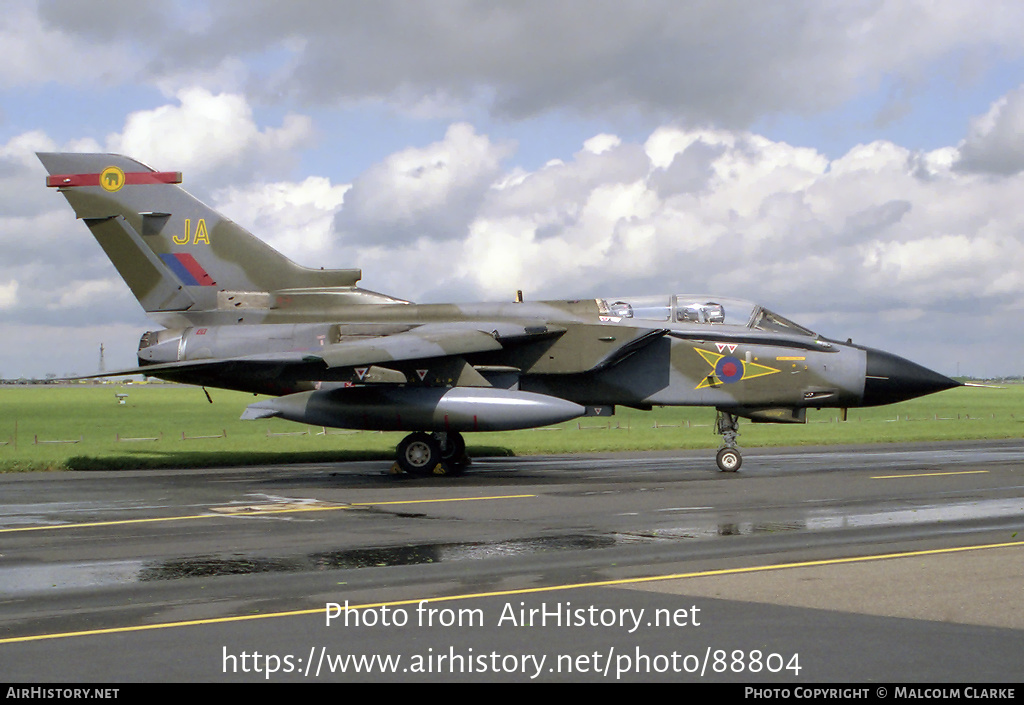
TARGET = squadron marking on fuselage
(726,369)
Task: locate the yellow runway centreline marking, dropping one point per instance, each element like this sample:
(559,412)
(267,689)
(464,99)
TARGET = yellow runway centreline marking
(931,474)
(523,591)
(261,512)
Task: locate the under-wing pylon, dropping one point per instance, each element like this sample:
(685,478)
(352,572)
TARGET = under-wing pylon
(239,315)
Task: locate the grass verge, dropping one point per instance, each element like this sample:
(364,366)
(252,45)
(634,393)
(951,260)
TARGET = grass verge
(83,427)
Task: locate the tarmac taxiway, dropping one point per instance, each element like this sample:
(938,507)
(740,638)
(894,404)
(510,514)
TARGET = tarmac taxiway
(884,563)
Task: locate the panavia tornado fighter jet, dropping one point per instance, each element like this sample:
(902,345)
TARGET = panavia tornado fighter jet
(239,315)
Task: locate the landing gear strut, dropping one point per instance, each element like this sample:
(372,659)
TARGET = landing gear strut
(727,426)
(423,454)
(453,453)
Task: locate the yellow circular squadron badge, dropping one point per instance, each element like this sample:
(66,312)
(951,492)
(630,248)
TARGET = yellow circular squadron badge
(111,179)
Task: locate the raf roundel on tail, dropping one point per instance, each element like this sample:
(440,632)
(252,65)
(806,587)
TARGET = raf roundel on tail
(239,315)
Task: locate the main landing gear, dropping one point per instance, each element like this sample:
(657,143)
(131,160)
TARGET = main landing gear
(728,458)
(423,454)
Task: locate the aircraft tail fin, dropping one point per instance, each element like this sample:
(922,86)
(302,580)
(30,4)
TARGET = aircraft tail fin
(178,255)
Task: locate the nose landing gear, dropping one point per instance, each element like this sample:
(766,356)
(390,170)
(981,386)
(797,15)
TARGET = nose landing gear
(728,427)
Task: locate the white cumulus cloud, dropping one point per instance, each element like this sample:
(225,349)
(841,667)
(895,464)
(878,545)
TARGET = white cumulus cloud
(995,143)
(205,133)
(432,192)
(294,218)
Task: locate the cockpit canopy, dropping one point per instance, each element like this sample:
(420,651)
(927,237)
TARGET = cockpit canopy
(699,309)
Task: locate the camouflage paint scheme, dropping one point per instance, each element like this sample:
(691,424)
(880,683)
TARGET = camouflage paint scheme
(240,315)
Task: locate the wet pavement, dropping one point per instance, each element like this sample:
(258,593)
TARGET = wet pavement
(127,549)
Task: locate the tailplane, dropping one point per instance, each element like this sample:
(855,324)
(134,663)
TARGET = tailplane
(184,261)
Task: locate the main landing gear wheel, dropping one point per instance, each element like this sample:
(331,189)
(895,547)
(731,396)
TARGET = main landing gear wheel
(423,454)
(419,454)
(453,453)
(729,460)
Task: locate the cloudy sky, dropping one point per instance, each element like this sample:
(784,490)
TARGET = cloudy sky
(855,166)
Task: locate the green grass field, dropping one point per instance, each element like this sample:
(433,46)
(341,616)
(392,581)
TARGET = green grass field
(33,417)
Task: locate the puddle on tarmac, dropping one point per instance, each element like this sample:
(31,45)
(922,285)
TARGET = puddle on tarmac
(370,557)
(35,579)
(830,519)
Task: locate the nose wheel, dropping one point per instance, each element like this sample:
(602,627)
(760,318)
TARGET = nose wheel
(729,460)
(728,427)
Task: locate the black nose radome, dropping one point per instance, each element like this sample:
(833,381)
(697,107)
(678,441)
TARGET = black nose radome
(890,378)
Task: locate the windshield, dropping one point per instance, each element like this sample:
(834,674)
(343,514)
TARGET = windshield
(698,309)
(767,320)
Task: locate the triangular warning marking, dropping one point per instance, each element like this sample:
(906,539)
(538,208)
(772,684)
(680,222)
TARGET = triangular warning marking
(421,374)
(361,372)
